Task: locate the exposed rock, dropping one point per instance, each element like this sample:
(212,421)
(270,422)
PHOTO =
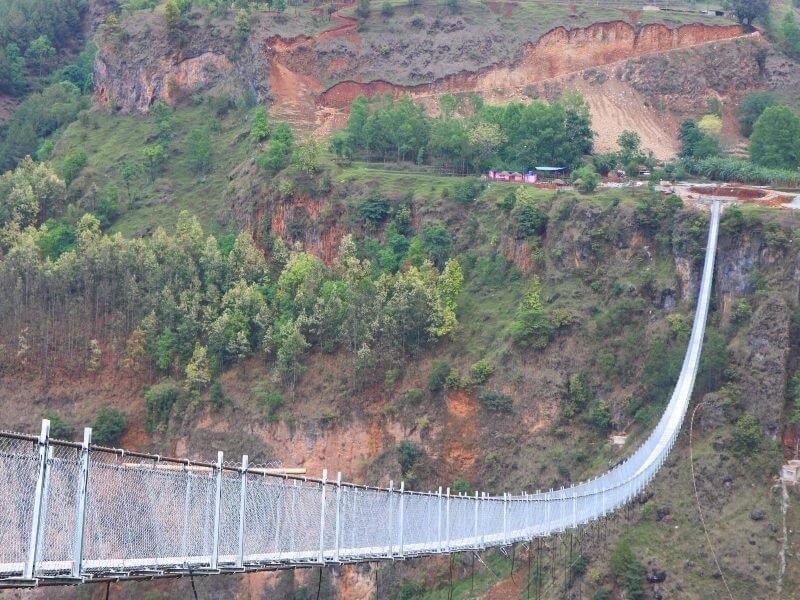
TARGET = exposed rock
(662,512)
(756,515)
(657,576)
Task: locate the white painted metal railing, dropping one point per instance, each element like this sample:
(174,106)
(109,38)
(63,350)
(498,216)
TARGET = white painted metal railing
(74,511)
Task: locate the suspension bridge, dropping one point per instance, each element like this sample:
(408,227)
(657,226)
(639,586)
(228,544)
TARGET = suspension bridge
(77,513)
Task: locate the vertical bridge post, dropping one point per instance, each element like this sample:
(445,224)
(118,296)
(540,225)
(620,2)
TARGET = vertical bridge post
(402,513)
(36,521)
(505,516)
(322,517)
(475,543)
(217,501)
(338,541)
(242,508)
(439,518)
(447,520)
(391,518)
(80,505)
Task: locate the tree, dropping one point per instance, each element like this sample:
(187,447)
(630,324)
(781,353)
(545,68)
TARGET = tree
(695,143)
(748,11)
(30,193)
(532,327)
(108,427)
(790,32)
(751,108)
(363,8)
(280,6)
(710,125)
(12,69)
(198,370)
(40,53)
(198,150)
(172,16)
(243,24)
(630,145)
(154,156)
(259,130)
(586,178)
(484,140)
(307,156)
(775,141)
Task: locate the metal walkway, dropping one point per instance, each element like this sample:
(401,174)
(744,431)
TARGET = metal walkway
(76,512)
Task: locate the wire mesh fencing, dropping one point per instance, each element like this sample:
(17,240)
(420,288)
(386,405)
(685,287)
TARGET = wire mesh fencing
(75,511)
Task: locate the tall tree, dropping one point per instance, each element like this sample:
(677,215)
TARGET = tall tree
(776,139)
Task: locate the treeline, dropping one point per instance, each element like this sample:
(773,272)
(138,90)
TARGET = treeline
(32,33)
(184,305)
(515,136)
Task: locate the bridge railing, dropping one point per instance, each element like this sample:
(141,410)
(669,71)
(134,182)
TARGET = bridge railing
(75,511)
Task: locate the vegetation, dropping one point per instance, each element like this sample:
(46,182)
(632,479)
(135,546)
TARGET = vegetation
(775,142)
(514,136)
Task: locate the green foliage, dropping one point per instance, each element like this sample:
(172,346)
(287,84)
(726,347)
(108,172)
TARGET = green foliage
(515,136)
(270,402)
(72,165)
(279,149)
(729,169)
(751,108)
(198,150)
(29,194)
(259,129)
(529,214)
(108,427)
(467,189)
(579,395)
(60,429)
(531,326)
(775,142)
(790,34)
(604,163)
(459,487)
(586,178)
(748,11)
(362,9)
(437,241)
(407,455)
(306,156)
(387,10)
(496,401)
(747,434)
(600,416)
(155,156)
(159,400)
(38,116)
(57,237)
(630,144)
(437,378)
(697,144)
(481,371)
(627,570)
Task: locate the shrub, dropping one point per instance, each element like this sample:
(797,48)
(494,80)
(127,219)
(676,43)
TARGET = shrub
(412,397)
(59,428)
(496,402)
(270,402)
(531,326)
(459,487)
(373,209)
(531,219)
(604,163)
(437,378)
(600,416)
(407,455)
(159,400)
(627,570)
(108,427)
(747,434)
(586,178)
(73,163)
(481,371)
(729,169)
(466,190)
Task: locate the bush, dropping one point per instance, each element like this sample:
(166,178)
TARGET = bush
(747,434)
(459,487)
(59,428)
(627,570)
(108,427)
(373,209)
(496,402)
(481,371)
(466,190)
(729,169)
(270,402)
(604,163)
(73,163)
(437,378)
(412,397)
(586,178)
(407,455)
(159,400)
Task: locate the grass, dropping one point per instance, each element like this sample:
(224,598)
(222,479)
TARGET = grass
(110,139)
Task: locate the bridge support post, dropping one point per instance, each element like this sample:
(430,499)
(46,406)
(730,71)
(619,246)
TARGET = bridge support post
(322,517)
(242,507)
(402,513)
(391,519)
(475,525)
(80,504)
(574,510)
(187,496)
(337,542)
(439,519)
(36,521)
(447,520)
(217,501)
(505,517)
